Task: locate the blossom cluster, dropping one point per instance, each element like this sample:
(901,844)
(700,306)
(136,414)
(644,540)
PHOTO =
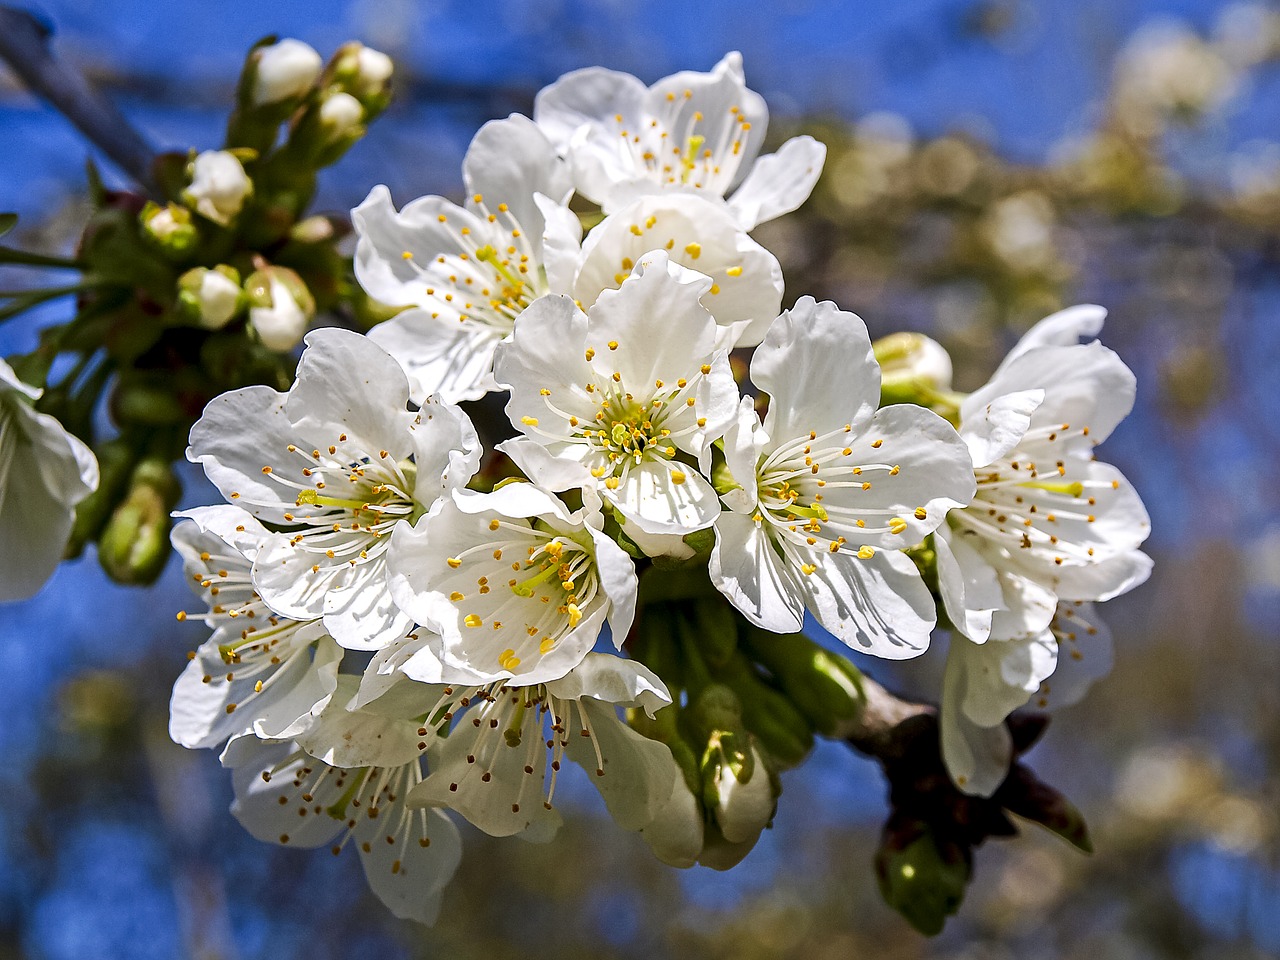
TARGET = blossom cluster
(406,625)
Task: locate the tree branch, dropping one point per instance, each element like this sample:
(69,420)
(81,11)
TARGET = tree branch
(24,43)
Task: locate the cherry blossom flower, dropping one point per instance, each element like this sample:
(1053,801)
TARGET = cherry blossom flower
(829,491)
(691,132)
(336,461)
(635,391)
(492,767)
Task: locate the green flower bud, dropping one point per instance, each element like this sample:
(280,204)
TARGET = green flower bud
(915,369)
(135,544)
(364,73)
(920,878)
(169,228)
(210,298)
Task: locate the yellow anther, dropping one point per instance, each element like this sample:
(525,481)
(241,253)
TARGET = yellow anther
(897,525)
(677,476)
(408,255)
(454,562)
(613,344)
(529,421)
(705,368)
(715,288)
(471,620)
(693,249)
(808,569)
(866,553)
(922,513)
(734,271)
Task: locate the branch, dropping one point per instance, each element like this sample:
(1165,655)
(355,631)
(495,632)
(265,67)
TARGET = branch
(24,43)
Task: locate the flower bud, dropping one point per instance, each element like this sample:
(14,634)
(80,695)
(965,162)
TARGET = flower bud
(362,71)
(169,227)
(219,186)
(210,297)
(341,115)
(285,71)
(135,544)
(921,876)
(280,307)
(741,807)
(913,357)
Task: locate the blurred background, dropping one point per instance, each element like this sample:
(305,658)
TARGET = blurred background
(990,161)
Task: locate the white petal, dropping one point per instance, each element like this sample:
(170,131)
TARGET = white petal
(1001,675)
(818,368)
(442,357)
(878,606)
(296,711)
(969,585)
(1084,386)
(744,442)
(994,430)
(1028,608)
(612,680)
(700,235)
(385,673)
(617,573)
(385,236)
(635,775)
(409,873)
(508,162)
(675,833)
(1085,655)
(1065,328)
(779,183)
(656,317)
(746,569)
(509,801)
(561,244)
(446,450)
(347,380)
(361,738)
(257,804)
(977,757)
(650,497)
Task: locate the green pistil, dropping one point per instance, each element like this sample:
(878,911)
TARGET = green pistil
(526,587)
(338,809)
(690,159)
(1075,489)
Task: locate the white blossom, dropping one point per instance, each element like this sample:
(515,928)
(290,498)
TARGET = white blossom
(634,390)
(830,490)
(336,462)
(492,767)
(285,795)
(258,671)
(1049,523)
(467,271)
(691,132)
(44,473)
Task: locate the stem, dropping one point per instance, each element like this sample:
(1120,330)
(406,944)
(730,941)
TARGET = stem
(24,43)
(878,730)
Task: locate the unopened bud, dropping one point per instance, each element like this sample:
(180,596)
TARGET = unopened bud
(219,186)
(920,877)
(284,71)
(362,71)
(341,115)
(740,798)
(169,227)
(914,357)
(280,307)
(210,297)
(135,544)
(316,229)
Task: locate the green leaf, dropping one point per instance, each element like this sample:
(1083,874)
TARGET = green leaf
(7,222)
